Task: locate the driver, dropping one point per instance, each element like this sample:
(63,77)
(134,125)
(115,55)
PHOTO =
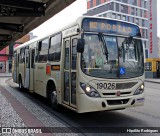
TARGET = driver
(99,60)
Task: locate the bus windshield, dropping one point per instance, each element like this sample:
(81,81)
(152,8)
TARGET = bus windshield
(123,60)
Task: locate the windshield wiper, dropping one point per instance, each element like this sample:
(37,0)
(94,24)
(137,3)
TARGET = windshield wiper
(128,42)
(101,37)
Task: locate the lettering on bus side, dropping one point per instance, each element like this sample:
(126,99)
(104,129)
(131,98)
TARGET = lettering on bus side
(55,67)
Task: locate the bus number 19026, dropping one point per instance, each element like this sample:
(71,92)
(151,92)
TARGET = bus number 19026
(106,85)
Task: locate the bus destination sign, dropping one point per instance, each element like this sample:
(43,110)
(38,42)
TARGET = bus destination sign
(111,27)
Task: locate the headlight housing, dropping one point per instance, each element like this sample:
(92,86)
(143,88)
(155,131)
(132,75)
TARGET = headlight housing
(89,90)
(139,90)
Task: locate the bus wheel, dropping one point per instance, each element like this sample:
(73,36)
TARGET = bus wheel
(20,84)
(53,97)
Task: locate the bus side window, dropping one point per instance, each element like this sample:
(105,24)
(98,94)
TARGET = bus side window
(36,53)
(42,55)
(27,57)
(55,48)
(15,59)
(32,61)
(22,55)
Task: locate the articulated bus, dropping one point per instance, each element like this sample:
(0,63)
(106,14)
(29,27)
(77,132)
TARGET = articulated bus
(94,64)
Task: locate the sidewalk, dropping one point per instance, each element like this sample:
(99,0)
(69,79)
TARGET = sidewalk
(20,114)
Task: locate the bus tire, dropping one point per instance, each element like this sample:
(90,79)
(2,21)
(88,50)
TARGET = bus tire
(53,97)
(21,88)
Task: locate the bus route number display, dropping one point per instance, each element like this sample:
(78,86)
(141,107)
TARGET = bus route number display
(111,26)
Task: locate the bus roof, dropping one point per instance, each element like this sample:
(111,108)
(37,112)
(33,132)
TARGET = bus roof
(82,17)
(77,22)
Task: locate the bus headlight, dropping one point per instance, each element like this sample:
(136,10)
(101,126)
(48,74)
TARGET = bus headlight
(90,91)
(139,90)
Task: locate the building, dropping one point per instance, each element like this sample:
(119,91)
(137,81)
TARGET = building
(141,12)
(6,53)
(3,60)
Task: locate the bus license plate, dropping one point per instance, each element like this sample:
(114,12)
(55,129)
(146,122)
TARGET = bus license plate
(110,86)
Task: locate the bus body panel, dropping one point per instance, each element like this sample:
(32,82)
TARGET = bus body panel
(40,78)
(27,69)
(31,73)
(15,67)
(88,104)
(27,76)
(67,80)
(31,81)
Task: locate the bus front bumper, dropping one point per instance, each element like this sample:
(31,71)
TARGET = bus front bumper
(89,104)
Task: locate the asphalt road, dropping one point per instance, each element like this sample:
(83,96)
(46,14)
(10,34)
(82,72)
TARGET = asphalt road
(144,116)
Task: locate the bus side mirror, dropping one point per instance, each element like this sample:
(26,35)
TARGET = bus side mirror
(80,45)
(39,46)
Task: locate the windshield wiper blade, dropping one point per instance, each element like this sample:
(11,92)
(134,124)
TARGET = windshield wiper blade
(101,37)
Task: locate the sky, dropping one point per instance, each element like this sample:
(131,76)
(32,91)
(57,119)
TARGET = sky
(70,14)
(63,18)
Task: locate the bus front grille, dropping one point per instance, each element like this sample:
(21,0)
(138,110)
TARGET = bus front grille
(117,102)
(114,94)
(125,85)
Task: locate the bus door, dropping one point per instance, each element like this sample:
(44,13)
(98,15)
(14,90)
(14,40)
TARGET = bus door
(22,65)
(15,67)
(27,68)
(70,56)
(31,75)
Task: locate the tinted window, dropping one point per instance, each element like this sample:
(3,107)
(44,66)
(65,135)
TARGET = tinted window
(33,54)
(66,66)
(15,60)
(22,55)
(55,48)
(74,53)
(44,44)
(43,50)
(27,58)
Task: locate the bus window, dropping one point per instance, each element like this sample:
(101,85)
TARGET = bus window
(15,60)
(73,88)
(32,61)
(22,55)
(27,58)
(43,51)
(74,53)
(55,48)
(66,66)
